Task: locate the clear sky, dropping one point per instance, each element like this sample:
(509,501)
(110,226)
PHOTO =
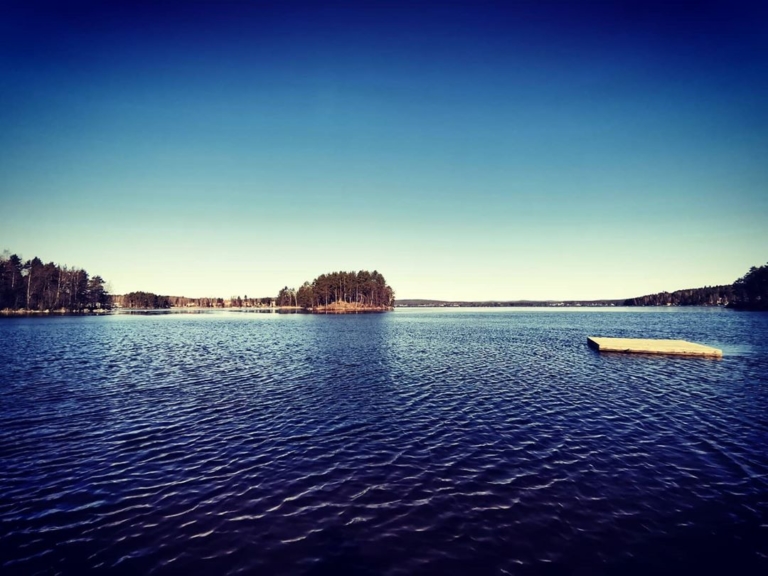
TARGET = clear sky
(466,151)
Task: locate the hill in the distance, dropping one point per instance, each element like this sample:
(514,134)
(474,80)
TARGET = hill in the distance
(749,292)
(412,303)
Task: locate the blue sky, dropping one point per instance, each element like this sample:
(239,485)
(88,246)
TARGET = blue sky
(465,150)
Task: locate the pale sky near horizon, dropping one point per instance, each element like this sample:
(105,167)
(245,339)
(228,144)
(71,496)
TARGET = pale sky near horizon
(467,151)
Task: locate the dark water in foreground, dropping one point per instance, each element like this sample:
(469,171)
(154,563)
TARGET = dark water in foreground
(415,442)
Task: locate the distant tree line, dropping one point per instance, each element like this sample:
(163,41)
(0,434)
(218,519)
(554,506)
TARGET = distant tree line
(149,300)
(245,302)
(750,292)
(337,291)
(707,296)
(415,303)
(207,302)
(35,286)
(142,300)
(341,290)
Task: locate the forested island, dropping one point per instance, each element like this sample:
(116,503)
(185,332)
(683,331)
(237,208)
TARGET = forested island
(341,292)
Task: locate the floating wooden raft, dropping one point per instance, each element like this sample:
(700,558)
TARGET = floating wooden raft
(648,346)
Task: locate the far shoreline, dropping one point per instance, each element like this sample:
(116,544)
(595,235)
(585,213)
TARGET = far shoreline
(117,310)
(332,309)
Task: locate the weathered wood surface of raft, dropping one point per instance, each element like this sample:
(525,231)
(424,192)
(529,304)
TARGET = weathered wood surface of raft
(650,346)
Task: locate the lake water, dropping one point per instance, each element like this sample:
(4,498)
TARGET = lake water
(414,442)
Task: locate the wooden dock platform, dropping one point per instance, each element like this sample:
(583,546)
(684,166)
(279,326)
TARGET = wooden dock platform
(649,346)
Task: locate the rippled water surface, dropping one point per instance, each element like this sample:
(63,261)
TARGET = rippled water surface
(413,442)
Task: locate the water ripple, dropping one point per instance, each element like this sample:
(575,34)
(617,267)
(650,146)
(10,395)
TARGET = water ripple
(492,442)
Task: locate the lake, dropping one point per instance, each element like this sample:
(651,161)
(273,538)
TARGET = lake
(422,441)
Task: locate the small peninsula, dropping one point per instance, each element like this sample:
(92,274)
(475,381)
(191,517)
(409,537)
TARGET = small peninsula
(35,287)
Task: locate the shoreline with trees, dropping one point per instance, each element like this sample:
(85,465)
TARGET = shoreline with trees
(332,293)
(32,287)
